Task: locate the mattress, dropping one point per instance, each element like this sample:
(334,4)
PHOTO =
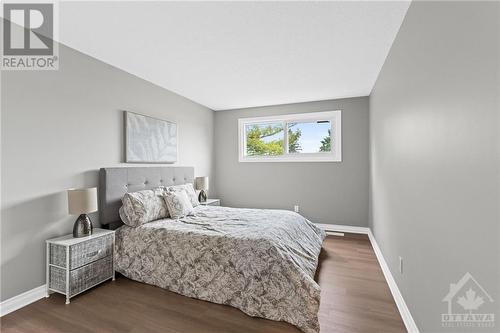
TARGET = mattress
(260,261)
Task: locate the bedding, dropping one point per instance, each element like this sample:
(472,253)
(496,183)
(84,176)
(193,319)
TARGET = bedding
(178,204)
(189,189)
(124,216)
(260,261)
(143,206)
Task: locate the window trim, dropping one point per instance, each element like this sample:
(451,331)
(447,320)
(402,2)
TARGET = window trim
(335,118)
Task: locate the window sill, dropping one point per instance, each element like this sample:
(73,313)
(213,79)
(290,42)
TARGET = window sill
(293,160)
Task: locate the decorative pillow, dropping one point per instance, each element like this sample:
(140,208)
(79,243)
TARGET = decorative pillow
(144,206)
(191,193)
(178,204)
(123,217)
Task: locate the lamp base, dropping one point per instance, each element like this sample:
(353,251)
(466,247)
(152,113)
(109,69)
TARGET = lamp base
(82,227)
(202,197)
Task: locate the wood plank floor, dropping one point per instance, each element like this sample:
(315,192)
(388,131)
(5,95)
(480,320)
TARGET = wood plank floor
(354,298)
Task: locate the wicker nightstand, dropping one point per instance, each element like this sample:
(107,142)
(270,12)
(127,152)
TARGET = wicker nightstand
(77,264)
(211,202)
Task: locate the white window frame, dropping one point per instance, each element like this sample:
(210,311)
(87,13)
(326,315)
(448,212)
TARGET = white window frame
(335,118)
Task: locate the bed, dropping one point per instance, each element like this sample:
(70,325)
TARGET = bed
(260,261)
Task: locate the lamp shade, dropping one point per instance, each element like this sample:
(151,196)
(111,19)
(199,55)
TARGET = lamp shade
(202,183)
(81,201)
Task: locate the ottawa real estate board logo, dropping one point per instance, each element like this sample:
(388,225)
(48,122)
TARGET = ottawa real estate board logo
(29,31)
(468,304)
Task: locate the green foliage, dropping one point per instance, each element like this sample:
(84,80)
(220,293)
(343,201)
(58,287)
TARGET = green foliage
(326,143)
(258,146)
(293,139)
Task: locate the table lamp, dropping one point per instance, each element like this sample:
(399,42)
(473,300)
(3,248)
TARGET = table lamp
(81,202)
(202,185)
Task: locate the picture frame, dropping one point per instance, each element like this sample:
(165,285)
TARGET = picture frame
(149,139)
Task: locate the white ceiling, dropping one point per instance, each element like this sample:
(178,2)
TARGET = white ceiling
(228,55)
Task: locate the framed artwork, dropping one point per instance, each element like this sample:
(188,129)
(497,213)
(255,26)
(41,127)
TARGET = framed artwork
(149,140)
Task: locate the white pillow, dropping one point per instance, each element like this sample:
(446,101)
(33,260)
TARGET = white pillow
(191,193)
(178,204)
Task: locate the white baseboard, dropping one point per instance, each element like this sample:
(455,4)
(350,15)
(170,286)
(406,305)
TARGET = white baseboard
(19,301)
(343,228)
(396,294)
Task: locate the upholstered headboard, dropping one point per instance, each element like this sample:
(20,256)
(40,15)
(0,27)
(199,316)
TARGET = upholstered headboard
(115,182)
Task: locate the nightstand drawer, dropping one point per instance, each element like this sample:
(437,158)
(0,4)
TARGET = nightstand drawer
(81,278)
(82,253)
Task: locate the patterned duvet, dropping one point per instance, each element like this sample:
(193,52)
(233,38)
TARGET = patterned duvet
(259,261)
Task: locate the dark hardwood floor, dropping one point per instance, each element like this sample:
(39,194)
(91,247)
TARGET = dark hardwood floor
(354,298)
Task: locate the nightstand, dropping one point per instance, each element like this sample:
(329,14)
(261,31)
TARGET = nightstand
(211,202)
(77,264)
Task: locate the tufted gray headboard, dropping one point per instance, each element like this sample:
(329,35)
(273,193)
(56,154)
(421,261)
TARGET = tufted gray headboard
(115,182)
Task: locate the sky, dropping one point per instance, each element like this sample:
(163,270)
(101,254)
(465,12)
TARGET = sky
(312,134)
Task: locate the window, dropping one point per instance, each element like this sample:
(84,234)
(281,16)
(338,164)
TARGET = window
(305,137)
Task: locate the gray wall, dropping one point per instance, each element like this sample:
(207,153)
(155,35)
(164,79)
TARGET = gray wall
(327,192)
(434,123)
(58,128)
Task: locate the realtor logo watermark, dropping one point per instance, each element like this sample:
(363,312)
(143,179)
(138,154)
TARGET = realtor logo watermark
(29,30)
(468,303)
